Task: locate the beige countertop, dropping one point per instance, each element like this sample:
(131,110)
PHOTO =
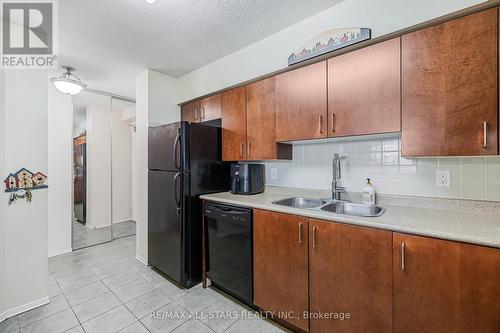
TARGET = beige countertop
(474,228)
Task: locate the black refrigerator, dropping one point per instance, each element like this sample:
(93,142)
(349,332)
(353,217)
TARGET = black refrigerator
(185,161)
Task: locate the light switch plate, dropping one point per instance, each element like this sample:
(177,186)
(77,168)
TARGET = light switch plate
(443,178)
(274,173)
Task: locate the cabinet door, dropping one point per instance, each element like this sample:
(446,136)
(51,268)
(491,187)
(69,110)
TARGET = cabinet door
(281,265)
(350,271)
(261,124)
(443,286)
(450,88)
(210,108)
(190,112)
(301,105)
(364,90)
(234,124)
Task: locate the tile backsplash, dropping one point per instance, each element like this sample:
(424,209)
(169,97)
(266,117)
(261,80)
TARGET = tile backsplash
(473,178)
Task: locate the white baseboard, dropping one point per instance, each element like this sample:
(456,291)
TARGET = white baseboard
(141,259)
(58,252)
(124,220)
(23,308)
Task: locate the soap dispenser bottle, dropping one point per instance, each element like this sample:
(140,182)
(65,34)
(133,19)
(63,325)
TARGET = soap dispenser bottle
(368,193)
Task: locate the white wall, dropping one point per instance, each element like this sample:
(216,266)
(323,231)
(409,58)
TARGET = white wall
(2,205)
(122,174)
(162,96)
(141,165)
(98,166)
(60,150)
(271,54)
(25,224)
(156,104)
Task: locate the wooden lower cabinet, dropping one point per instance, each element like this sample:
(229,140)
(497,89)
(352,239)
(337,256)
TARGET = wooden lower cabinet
(350,274)
(443,286)
(281,265)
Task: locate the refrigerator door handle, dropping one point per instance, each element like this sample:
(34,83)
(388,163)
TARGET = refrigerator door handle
(176,193)
(176,153)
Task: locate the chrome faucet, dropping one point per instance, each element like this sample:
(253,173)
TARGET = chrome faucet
(336,189)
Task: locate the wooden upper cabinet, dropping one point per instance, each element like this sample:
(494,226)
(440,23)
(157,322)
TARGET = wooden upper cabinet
(210,108)
(445,286)
(234,124)
(281,265)
(261,123)
(450,91)
(301,103)
(364,90)
(190,112)
(350,271)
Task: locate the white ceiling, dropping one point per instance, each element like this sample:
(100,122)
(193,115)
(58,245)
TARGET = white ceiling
(111,41)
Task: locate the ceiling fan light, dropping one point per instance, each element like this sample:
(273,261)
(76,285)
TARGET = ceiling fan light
(68,86)
(68,83)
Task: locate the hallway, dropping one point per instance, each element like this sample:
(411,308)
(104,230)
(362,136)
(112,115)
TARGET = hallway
(105,289)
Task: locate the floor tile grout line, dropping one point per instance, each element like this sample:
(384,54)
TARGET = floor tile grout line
(237,320)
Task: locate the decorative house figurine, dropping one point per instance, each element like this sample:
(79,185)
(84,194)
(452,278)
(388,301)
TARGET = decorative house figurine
(24,179)
(21,183)
(10,182)
(39,179)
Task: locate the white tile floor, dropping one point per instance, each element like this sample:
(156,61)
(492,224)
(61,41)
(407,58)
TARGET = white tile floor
(105,289)
(83,236)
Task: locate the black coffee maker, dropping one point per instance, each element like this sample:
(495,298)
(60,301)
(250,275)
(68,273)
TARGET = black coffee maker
(247,179)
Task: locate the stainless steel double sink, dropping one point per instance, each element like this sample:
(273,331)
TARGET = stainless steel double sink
(338,207)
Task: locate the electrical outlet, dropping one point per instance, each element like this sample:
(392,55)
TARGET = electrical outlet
(443,178)
(274,173)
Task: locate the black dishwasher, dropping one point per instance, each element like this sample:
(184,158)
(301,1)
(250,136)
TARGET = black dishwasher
(229,259)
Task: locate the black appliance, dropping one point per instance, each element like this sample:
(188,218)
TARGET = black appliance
(184,162)
(247,178)
(229,258)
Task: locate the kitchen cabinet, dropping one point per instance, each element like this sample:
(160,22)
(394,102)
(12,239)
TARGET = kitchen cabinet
(234,124)
(364,90)
(261,123)
(301,103)
(443,286)
(190,112)
(281,265)
(449,88)
(202,110)
(350,271)
(210,108)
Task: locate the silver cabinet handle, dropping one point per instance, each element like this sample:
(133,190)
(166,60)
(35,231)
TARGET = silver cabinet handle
(333,122)
(321,124)
(196,113)
(485,134)
(241,149)
(314,237)
(249,144)
(403,256)
(300,233)
(202,114)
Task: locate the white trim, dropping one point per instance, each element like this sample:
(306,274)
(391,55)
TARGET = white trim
(23,308)
(124,220)
(58,252)
(141,259)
